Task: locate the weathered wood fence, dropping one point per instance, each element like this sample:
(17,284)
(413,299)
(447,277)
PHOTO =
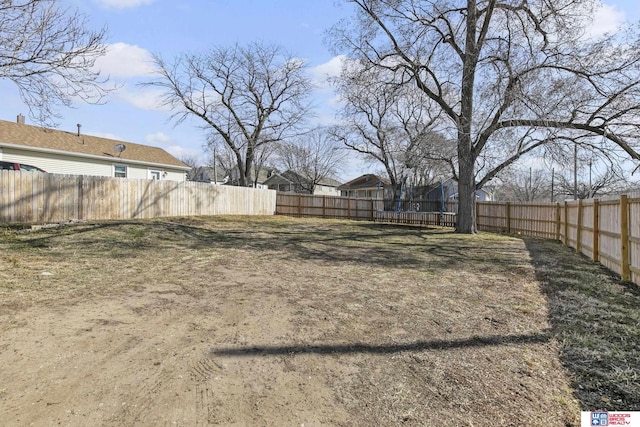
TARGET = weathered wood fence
(27,198)
(607,231)
(305,205)
(446,219)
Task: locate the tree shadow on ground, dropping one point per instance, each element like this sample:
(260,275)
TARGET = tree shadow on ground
(388,246)
(596,319)
(377,245)
(383,245)
(353,348)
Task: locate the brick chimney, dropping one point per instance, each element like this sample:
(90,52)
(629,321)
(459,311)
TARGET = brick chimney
(20,119)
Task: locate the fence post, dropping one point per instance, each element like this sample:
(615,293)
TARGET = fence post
(624,238)
(372,210)
(324,206)
(349,208)
(508,213)
(558,223)
(566,223)
(299,204)
(596,230)
(477,215)
(579,228)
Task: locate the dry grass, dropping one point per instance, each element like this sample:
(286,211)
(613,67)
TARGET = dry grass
(404,326)
(597,320)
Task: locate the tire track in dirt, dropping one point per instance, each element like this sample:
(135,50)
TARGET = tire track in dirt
(204,369)
(205,406)
(145,396)
(201,373)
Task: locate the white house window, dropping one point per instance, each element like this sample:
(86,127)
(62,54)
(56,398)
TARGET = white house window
(119,171)
(157,175)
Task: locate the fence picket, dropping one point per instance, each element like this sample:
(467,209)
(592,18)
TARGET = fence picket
(27,198)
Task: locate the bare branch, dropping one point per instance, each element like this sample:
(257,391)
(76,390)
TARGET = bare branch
(248,97)
(49,53)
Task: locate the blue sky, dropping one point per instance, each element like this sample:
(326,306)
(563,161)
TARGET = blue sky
(138,28)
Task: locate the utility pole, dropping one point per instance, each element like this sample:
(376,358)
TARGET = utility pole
(590,185)
(575,171)
(215,170)
(553,176)
(530,190)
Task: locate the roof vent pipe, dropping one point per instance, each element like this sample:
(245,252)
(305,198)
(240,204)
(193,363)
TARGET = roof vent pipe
(79,126)
(20,119)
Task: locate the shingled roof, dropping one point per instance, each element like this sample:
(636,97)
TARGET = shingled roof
(42,139)
(364,181)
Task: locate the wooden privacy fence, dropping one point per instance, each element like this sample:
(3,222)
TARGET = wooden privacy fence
(28,198)
(607,231)
(305,205)
(446,219)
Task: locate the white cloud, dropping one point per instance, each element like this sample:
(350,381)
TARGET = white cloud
(158,139)
(166,142)
(606,19)
(124,60)
(181,152)
(123,4)
(321,74)
(145,99)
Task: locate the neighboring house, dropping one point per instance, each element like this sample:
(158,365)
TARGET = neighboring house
(263,174)
(367,186)
(448,188)
(370,186)
(452,193)
(481,196)
(293,182)
(208,175)
(61,152)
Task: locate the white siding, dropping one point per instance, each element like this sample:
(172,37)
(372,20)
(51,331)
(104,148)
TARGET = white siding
(174,175)
(70,165)
(325,190)
(364,193)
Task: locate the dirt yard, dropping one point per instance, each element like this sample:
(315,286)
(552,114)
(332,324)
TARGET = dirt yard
(274,322)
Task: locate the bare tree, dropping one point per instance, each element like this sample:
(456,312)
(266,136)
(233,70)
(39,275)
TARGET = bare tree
(432,157)
(592,181)
(312,158)
(523,185)
(221,158)
(386,123)
(190,160)
(263,162)
(247,97)
(510,77)
(49,53)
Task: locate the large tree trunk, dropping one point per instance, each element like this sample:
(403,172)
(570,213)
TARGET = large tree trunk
(466,190)
(250,181)
(242,172)
(466,160)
